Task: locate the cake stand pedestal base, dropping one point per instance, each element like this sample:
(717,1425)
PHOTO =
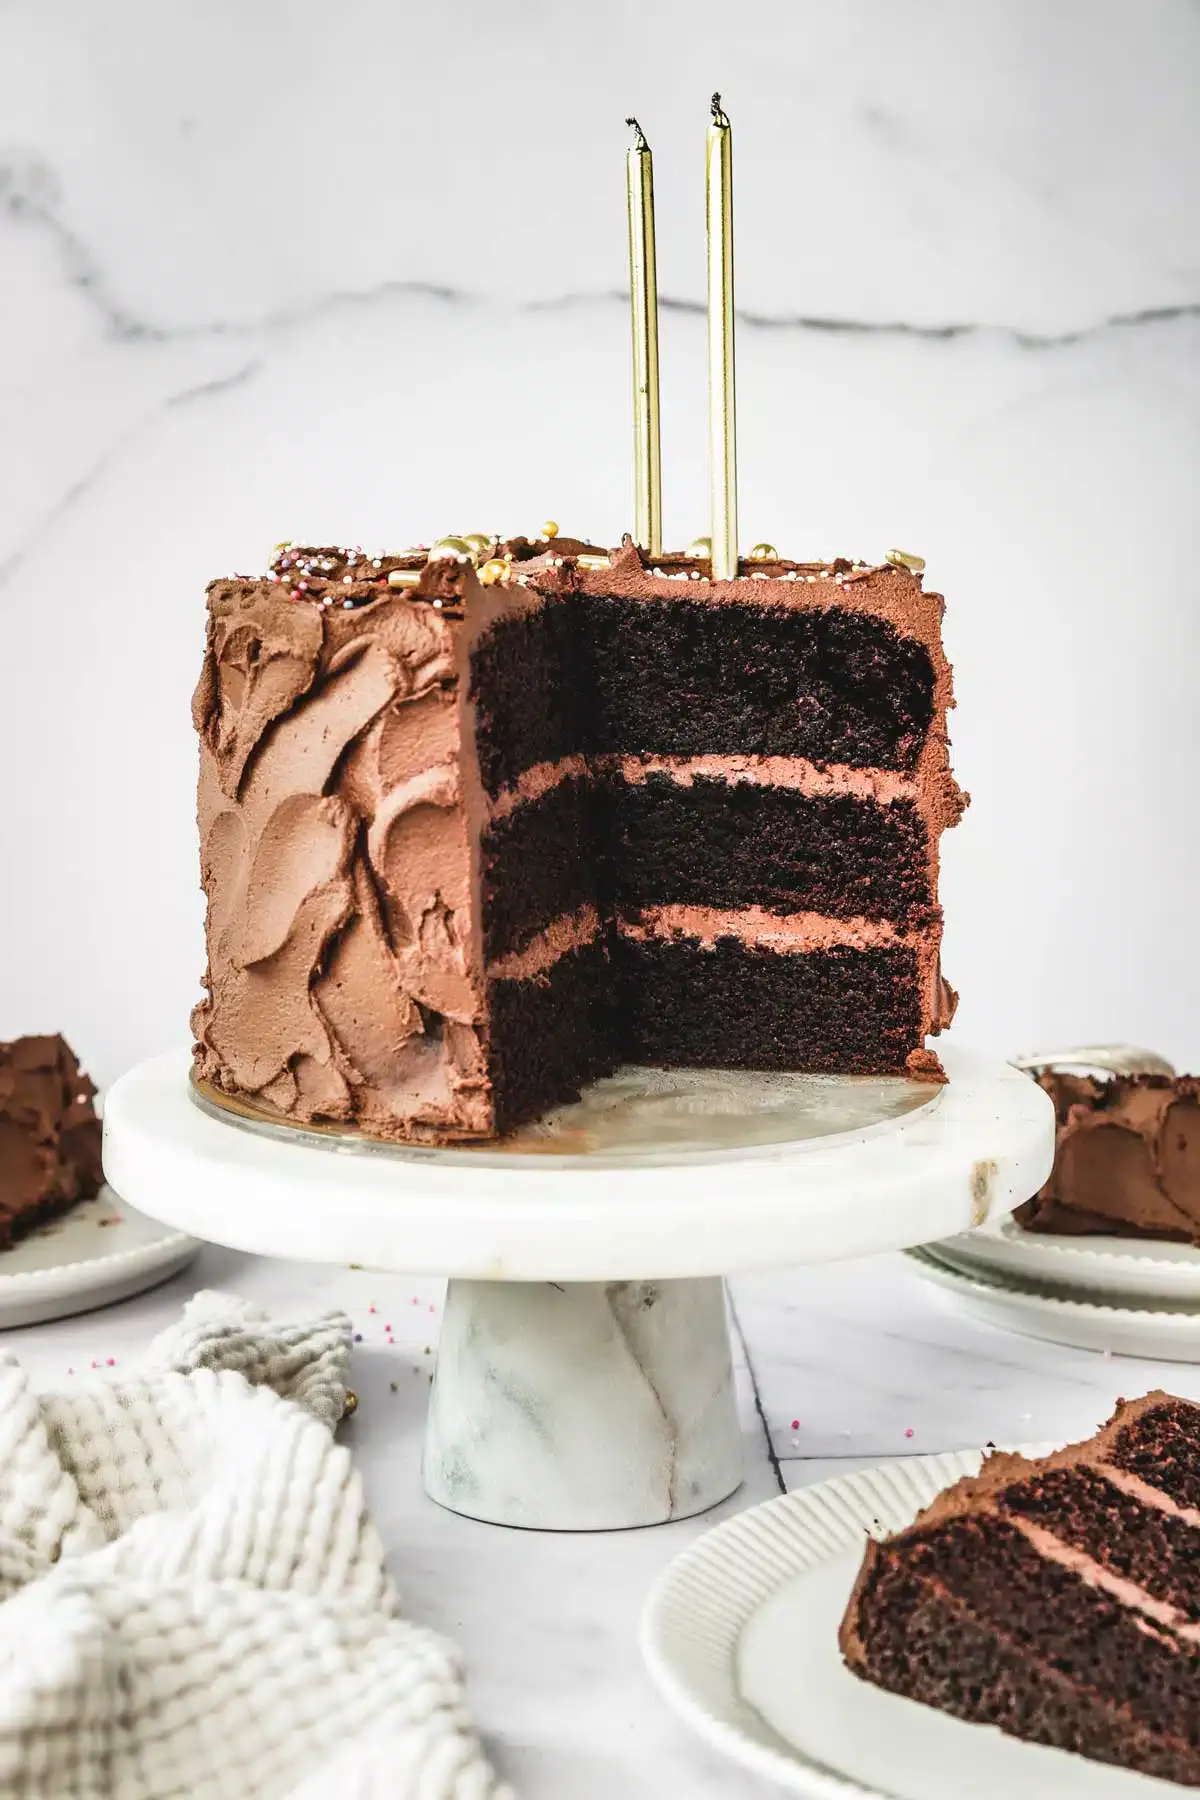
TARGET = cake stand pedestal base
(585,1405)
(583,1378)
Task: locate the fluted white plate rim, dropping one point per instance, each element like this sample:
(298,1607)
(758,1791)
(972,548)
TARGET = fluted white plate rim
(701,1619)
(1168,1331)
(1126,1268)
(102,1251)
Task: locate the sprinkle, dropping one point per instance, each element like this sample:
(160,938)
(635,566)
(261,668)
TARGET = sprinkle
(427,1351)
(111,1363)
(432,1307)
(70,1371)
(795,1424)
(372,1309)
(394,1386)
(909,1432)
(95,1364)
(347,581)
(358,1337)
(415,1301)
(387,1328)
(348,605)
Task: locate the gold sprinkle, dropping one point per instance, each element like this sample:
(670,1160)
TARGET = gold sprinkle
(762,553)
(284,544)
(904,559)
(404,578)
(700,547)
(349,1405)
(480,542)
(549,529)
(451,549)
(495,570)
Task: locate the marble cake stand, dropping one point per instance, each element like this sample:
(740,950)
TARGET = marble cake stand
(584,1379)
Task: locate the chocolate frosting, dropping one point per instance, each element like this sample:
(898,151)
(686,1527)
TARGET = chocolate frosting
(49,1134)
(1127,1161)
(340,812)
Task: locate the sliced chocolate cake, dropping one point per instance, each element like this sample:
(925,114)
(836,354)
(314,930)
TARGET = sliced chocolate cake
(1058,1599)
(470,840)
(1127,1160)
(49,1135)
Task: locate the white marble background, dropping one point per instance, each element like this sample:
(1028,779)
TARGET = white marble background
(277,268)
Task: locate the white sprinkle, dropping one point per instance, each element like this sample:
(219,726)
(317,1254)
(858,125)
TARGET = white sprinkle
(347,605)
(347,581)
(377,562)
(756,575)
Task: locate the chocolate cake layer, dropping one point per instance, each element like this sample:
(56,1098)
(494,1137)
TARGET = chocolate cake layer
(528,687)
(1162,1447)
(1058,1599)
(551,1034)
(49,1135)
(672,678)
(540,861)
(679,679)
(716,843)
(749,1007)
(1127,1160)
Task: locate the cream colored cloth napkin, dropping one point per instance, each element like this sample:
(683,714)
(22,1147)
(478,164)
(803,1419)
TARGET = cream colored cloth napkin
(193,1601)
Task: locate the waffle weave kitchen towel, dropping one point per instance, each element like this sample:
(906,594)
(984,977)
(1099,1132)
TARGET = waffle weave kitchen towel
(193,1600)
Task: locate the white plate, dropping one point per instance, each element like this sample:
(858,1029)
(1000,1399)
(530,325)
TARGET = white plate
(1123,1268)
(1169,1332)
(101,1251)
(740,1636)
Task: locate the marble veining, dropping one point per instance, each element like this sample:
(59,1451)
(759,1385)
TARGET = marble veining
(589,1406)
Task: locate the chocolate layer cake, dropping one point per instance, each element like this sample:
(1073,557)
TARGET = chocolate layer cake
(1058,1599)
(49,1135)
(469,844)
(1127,1161)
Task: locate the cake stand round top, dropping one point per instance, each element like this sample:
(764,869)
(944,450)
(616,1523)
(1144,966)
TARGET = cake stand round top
(653,1174)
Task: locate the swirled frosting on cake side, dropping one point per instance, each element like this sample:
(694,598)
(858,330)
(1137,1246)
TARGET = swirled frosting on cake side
(344,977)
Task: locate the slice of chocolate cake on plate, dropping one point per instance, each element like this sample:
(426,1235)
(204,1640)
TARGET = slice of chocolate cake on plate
(1057,1599)
(49,1135)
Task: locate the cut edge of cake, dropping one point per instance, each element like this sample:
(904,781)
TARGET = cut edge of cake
(1056,1598)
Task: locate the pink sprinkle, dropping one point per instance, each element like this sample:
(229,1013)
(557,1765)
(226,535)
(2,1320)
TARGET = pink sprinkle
(909,1432)
(111,1362)
(432,1307)
(387,1328)
(70,1371)
(795,1424)
(371,1309)
(415,1301)
(95,1364)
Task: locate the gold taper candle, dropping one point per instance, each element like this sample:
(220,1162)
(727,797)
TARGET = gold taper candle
(722,433)
(643,302)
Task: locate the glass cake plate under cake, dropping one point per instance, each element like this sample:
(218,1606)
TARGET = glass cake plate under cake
(741,1638)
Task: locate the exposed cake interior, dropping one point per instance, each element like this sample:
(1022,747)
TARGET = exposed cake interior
(737,801)
(1057,1599)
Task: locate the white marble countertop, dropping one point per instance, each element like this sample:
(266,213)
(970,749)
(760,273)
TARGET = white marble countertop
(837,1366)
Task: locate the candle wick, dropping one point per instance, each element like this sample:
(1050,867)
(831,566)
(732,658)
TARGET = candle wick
(719,117)
(641,143)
